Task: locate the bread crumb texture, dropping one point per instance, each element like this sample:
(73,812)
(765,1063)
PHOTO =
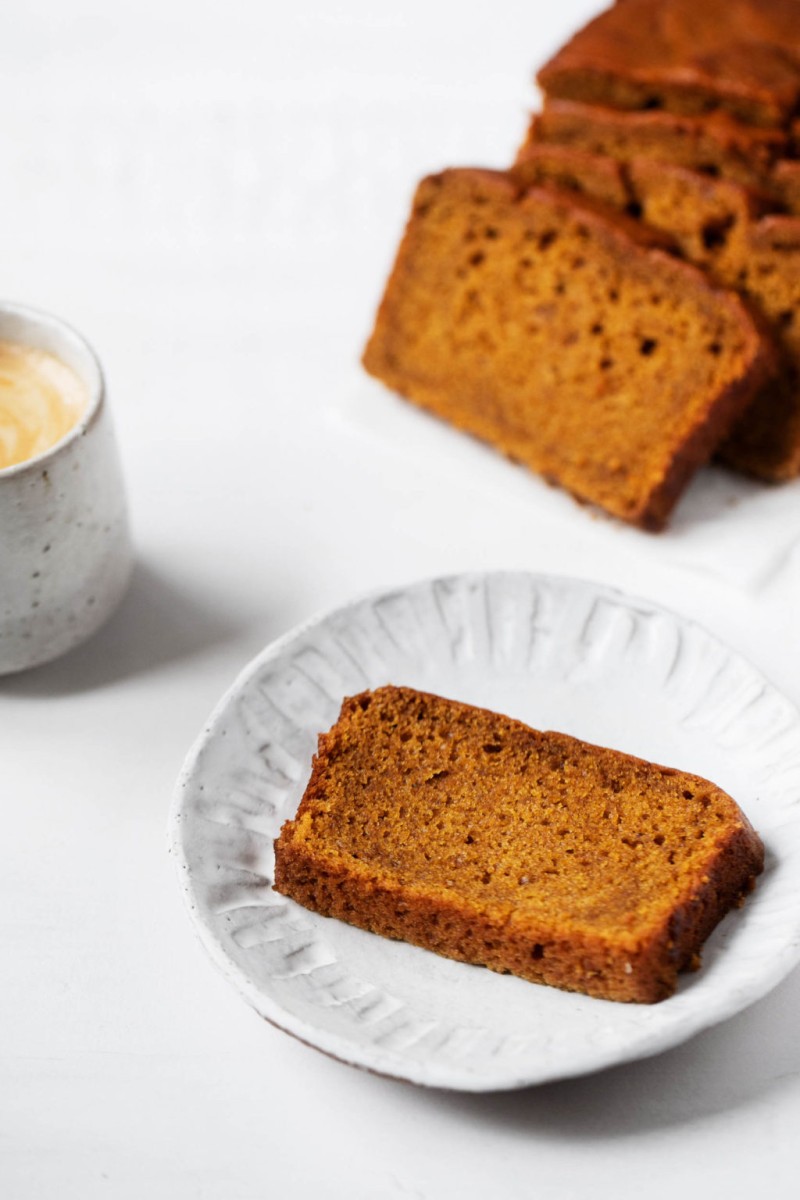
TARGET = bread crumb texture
(561,333)
(726,229)
(470,834)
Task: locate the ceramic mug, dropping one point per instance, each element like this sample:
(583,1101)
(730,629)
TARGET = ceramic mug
(65,549)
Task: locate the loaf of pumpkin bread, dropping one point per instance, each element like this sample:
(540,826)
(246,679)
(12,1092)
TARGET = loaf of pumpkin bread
(562,334)
(469,834)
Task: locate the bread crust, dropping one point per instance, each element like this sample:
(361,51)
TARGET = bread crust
(739,56)
(382,886)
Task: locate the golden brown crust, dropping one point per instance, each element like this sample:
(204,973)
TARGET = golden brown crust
(555,329)
(740,56)
(471,835)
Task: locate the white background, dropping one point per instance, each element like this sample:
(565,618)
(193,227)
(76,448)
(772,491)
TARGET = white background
(213,194)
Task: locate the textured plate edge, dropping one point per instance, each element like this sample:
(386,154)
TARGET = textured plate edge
(393,1065)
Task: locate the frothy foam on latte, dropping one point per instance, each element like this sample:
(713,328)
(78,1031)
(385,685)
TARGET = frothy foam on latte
(41,398)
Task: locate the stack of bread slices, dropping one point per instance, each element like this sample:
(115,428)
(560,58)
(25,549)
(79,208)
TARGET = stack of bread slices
(624,302)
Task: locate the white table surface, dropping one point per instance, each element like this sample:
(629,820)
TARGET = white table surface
(213,195)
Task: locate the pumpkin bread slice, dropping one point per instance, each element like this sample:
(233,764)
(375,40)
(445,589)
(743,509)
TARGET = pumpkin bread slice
(469,834)
(562,334)
(723,228)
(714,145)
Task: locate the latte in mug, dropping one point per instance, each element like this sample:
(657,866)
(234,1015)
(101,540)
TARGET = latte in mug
(41,399)
(65,548)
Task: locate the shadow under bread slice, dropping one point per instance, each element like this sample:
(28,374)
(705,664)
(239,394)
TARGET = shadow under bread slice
(562,334)
(470,834)
(724,228)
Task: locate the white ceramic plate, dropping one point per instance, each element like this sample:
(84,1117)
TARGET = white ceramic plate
(557,654)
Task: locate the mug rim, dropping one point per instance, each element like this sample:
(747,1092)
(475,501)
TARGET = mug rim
(38,318)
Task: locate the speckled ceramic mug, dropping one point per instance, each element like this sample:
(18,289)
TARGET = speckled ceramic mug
(65,550)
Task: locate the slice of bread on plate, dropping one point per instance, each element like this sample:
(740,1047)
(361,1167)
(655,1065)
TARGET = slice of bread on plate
(469,834)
